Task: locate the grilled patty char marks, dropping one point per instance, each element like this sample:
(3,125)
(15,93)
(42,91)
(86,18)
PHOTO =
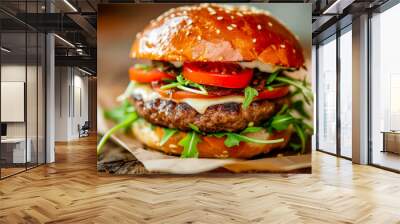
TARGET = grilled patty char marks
(220,117)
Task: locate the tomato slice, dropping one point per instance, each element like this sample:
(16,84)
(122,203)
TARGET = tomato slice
(218,74)
(144,75)
(276,92)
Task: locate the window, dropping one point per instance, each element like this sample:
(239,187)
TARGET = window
(327,96)
(22,76)
(385,89)
(346,93)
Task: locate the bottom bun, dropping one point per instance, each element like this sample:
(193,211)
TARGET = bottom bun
(209,146)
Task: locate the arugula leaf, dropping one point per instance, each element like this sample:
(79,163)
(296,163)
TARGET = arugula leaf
(302,86)
(120,113)
(249,94)
(283,109)
(296,92)
(251,130)
(201,91)
(194,128)
(127,122)
(218,134)
(295,146)
(189,144)
(302,135)
(231,140)
(299,107)
(183,84)
(234,139)
(272,76)
(124,116)
(169,86)
(181,80)
(282,122)
(168,133)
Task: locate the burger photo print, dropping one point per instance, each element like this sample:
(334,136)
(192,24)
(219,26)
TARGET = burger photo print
(212,87)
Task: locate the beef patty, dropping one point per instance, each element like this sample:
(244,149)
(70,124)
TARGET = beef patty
(220,117)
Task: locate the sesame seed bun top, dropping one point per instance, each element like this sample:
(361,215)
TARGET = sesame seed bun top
(212,32)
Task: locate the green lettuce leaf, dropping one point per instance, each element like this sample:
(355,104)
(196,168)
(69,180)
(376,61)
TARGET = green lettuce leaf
(189,144)
(249,94)
(168,133)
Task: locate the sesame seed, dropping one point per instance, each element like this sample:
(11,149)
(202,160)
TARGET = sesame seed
(259,27)
(233,25)
(294,50)
(218,31)
(211,11)
(229,28)
(282,46)
(198,37)
(220,18)
(173,146)
(232,17)
(270,24)
(274,47)
(239,14)
(254,40)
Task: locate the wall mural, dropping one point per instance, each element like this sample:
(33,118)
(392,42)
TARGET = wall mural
(193,88)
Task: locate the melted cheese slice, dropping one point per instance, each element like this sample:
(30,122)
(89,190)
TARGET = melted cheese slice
(200,105)
(269,68)
(145,91)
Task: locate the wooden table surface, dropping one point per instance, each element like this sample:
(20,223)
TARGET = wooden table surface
(71,191)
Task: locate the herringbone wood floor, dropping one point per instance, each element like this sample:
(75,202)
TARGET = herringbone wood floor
(70,191)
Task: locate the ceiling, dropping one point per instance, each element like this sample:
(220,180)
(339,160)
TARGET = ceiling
(75,22)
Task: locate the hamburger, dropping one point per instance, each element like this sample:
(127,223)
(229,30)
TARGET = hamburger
(215,82)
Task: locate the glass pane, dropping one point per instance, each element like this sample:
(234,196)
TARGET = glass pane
(32,97)
(327,96)
(41,98)
(314,82)
(346,94)
(13,86)
(385,85)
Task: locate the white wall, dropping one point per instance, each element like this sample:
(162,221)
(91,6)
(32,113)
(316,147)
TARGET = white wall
(71,102)
(16,73)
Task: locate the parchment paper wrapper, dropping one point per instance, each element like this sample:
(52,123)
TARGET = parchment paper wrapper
(155,161)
